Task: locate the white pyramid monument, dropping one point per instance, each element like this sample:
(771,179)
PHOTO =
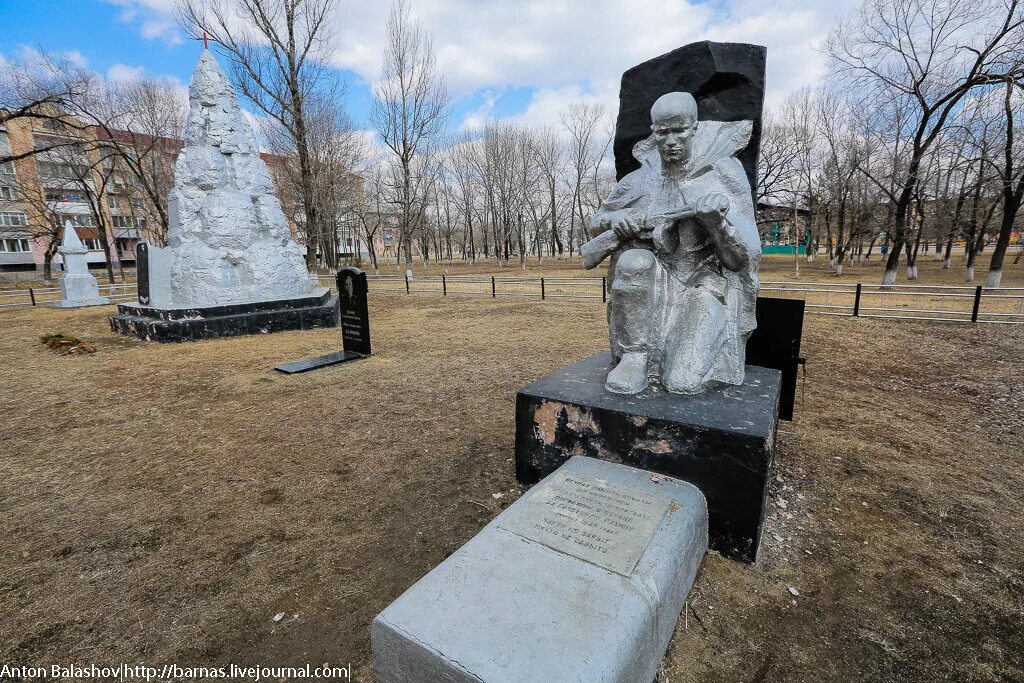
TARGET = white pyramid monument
(228,240)
(77,286)
(230,266)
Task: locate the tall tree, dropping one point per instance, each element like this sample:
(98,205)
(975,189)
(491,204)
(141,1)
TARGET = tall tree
(409,111)
(1011,177)
(278,51)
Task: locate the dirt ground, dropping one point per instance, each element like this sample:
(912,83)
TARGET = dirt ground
(162,503)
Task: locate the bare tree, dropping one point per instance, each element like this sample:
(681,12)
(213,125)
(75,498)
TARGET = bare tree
(142,122)
(410,109)
(278,51)
(922,57)
(588,145)
(42,88)
(1011,177)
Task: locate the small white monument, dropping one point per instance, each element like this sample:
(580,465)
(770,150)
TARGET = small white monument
(77,286)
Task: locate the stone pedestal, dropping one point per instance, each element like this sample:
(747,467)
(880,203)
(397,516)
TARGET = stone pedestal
(320,309)
(582,579)
(79,289)
(722,441)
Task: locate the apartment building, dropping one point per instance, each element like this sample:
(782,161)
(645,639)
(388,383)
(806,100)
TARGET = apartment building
(69,179)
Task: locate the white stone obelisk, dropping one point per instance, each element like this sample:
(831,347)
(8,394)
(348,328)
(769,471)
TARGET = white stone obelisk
(228,240)
(77,286)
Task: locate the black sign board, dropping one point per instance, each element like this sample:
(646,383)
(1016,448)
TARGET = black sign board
(355,317)
(142,272)
(776,344)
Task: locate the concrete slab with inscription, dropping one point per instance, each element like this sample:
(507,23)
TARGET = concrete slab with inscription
(582,579)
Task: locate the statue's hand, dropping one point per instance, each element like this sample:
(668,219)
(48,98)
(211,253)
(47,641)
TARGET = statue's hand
(626,226)
(711,209)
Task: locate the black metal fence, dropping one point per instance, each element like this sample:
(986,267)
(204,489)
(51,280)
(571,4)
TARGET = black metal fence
(943,303)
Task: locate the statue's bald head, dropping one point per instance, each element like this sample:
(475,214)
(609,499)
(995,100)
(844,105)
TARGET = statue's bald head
(673,122)
(674,105)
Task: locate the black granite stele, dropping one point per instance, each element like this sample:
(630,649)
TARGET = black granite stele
(726,79)
(353,289)
(722,441)
(261,317)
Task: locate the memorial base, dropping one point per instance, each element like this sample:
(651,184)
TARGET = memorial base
(581,579)
(722,441)
(320,309)
(79,303)
(318,362)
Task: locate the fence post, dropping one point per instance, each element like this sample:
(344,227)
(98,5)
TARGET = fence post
(32,295)
(444,285)
(406,283)
(494,292)
(977,304)
(604,288)
(856,303)
(542,289)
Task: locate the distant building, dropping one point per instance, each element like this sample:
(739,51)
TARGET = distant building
(81,181)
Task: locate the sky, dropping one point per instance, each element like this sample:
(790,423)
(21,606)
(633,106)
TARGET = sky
(522,60)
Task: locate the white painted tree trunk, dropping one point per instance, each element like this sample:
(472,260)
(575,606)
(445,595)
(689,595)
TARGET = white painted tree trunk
(839,269)
(937,256)
(408,273)
(970,275)
(995,279)
(890,277)
(945,264)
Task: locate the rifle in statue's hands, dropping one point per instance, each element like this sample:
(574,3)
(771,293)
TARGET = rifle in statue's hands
(608,242)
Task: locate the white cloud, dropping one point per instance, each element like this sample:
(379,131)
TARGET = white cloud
(123,72)
(76,58)
(477,119)
(561,47)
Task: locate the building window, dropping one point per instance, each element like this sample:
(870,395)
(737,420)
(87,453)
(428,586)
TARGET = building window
(52,169)
(6,169)
(79,220)
(125,222)
(7,192)
(125,246)
(15,245)
(92,244)
(112,202)
(53,195)
(12,219)
(137,204)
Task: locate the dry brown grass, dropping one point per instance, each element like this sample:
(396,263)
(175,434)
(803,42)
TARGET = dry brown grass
(162,502)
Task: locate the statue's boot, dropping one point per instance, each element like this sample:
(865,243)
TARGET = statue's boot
(630,375)
(629,320)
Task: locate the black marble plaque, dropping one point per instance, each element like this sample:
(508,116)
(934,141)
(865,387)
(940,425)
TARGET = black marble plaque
(776,344)
(142,272)
(318,362)
(355,316)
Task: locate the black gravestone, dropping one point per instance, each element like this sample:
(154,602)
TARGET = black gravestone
(355,316)
(355,325)
(142,272)
(721,440)
(726,79)
(776,344)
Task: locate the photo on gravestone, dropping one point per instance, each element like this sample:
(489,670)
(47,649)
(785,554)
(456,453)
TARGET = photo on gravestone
(142,272)
(355,315)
